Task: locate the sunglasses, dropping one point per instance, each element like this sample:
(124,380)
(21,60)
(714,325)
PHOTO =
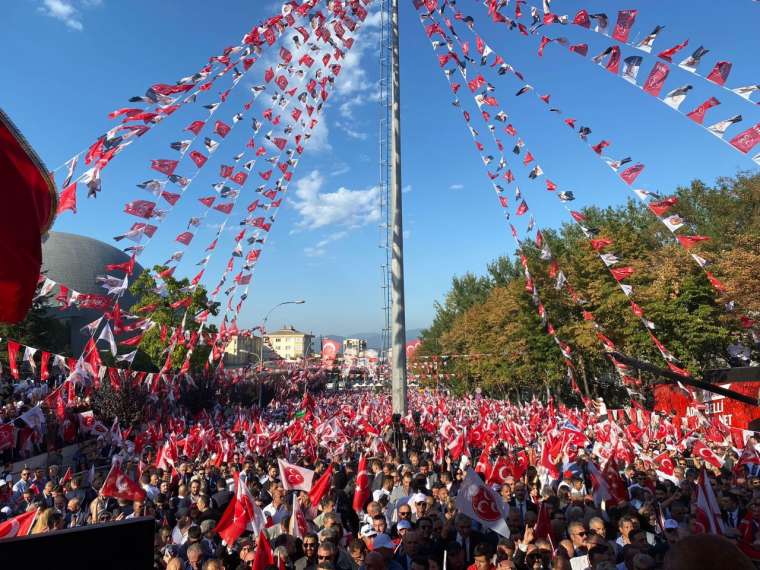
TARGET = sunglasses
(323,557)
(405,514)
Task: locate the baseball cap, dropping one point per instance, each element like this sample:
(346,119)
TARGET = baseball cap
(671,524)
(417,498)
(382,541)
(367,530)
(404,524)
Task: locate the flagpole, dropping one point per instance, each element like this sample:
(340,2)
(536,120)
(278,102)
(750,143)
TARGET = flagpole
(398,319)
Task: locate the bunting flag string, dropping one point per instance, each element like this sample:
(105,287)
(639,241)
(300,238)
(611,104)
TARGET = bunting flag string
(278,143)
(530,283)
(556,270)
(610,59)
(619,274)
(652,200)
(161,100)
(275,195)
(148,210)
(621,33)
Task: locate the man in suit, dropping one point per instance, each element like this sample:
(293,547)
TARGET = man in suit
(467,537)
(731,513)
(520,501)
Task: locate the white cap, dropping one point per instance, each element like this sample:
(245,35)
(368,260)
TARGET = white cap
(379,494)
(367,530)
(417,498)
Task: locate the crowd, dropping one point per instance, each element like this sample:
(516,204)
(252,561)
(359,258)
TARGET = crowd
(337,482)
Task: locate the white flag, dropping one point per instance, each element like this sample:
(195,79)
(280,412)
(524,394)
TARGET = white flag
(294,477)
(129,357)
(482,504)
(719,129)
(107,335)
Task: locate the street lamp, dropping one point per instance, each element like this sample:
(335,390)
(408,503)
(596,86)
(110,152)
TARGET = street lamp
(263,332)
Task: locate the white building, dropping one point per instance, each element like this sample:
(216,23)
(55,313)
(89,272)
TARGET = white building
(289,343)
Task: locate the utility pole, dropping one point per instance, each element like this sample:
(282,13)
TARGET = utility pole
(398,321)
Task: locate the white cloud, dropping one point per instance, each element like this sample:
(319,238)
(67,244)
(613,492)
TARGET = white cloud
(64,11)
(344,207)
(341,168)
(406,189)
(456,187)
(319,249)
(351,132)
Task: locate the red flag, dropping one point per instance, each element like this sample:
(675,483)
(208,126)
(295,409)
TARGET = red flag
(44,372)
(241,514)
(222,129)
(67,199)
(720,72)
(198,158)
(655,81)
(690,241)
(362,492)
(321,486)
(668,54)
(195,127)
(698,114)
(629,175)
(263,557)
(661,208)
(164,166)
(118,485)
(746,141)
(13,348)
(542,528)
(20,525)
(625,21)
(621,273)
(522,208)
(665,464)
(708,511)
(707,454)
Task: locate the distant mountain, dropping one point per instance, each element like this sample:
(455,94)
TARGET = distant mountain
(374,339)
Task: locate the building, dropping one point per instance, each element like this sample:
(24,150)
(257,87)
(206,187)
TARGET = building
(289,344)
(76,262)
(242,351)
(354,347)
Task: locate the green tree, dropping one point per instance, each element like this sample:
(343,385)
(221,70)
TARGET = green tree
(153,350)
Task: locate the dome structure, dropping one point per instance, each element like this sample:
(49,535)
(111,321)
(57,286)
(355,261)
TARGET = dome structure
(76,262)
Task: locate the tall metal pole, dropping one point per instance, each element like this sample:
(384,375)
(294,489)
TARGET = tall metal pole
(398,320)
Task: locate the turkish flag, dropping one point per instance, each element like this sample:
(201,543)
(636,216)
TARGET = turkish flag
(705,453)
(665,463)
(20,525)
(263,557)
(294,477)
(321,486)
(118,485)
(362,492)
(241,514)
(482,504)
(29,205)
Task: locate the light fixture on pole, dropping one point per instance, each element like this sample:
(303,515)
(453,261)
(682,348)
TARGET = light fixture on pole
(263,333)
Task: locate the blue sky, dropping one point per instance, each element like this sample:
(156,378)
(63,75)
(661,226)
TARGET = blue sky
(73,61)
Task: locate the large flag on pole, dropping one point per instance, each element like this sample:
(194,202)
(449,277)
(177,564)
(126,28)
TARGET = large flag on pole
(482,504)
(241,514)
(361,494)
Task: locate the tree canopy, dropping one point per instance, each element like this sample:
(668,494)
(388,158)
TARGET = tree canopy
(492,319)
